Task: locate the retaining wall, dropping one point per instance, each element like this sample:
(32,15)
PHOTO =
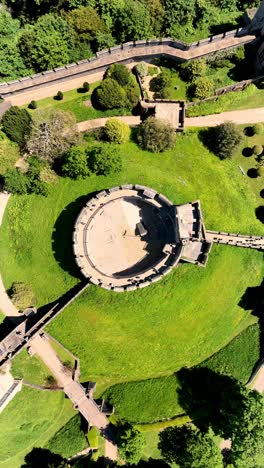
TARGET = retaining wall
(120,53)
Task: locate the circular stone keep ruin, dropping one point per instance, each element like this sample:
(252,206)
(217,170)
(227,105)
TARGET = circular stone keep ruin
(126,238)
(131,236)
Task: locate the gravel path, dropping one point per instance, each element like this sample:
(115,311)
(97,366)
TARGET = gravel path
(247,116)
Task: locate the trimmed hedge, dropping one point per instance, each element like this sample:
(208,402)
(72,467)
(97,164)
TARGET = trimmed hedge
(69,440)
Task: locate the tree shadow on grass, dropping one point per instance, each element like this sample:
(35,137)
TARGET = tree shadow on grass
(253,300)
(62,242)
(261,193)
(252,173)
(210,399)
(43,458)
(249,131)
(247,152)
(259,211)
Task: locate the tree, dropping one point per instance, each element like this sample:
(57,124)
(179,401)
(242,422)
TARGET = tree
(156,11)
(86,86)
(116,131)
(17,123)
(22,295)
(33,105)
(189,448)
(161,82)
(16,182)
(260,171)
(247,429)
(130,444)
(202,88)
(193,69)
(110,95)
(133,22)
(224,138)
(120,73)
(104,159)
(257,150)
(258,129)
(75,163)
(86,23)
(52,135)
(59,96)
(155,135)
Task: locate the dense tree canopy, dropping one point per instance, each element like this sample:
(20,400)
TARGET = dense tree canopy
(189,448)
(104,159)
(224,138)
(155,135)
(130,444)
(17,123)
(110,94)
(75,163)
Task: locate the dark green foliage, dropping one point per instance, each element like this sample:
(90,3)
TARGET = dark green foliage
(130,444)
(238,358)
(39,188)
(16,123)
(86,86)
(33,105)
(69,440)
(193,69)
(155,135)
(43,458)
(75,163)
(120,73)
(59,96)
(16,182)
(190,448)
(161,82)
(133,22)
(104,159)
(129,400)
(110,95)
(224,138)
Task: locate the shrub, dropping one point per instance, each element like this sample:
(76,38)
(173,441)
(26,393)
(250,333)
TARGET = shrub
(16,182)
(116,131)
(155,135)
(257,150)
(69,440)
(47,175)
(132,91)
(39,188)
(202,88)
(104,159)
(119,73)
(16,123)
(110,95)
(142,69)
(86,86)
(258,129)
(33,105)
(59,96)
(75,163)
(224,138)
(160,82)
(22,295)
(130,444)
(260,171)
(193,69)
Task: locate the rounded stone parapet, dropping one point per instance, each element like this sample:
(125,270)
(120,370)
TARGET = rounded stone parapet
(125,238)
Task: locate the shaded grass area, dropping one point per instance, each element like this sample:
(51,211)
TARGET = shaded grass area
(239,357)
(146,401)
(30,420)
(31,369)
(249,98)
(69,440)
(75,102)
(178,322)
(9,154)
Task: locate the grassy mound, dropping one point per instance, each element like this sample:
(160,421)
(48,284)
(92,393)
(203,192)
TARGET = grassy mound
(69,440)
(178,322)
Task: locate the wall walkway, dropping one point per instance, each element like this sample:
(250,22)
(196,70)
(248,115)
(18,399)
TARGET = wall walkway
(85,69)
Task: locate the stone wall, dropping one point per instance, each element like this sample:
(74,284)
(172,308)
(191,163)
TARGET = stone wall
(121,53)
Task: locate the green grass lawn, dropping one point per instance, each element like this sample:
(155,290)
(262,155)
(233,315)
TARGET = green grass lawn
(75,102)
(31,420)
(178,322)
(9,154)
(250,98)
(30,368)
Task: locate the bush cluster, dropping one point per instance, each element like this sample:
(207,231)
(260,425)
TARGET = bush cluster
(155,135)
(16,181)
(16,124)
(119,89)
(223,139)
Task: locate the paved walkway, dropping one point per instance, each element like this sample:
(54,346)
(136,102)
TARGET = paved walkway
(97,123)
(238,240)
(247,116)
